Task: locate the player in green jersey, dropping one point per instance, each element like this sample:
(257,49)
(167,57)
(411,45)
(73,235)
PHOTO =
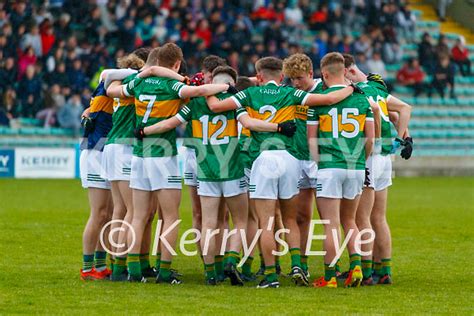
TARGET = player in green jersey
(299,69)
(220,170)
(371,212)
(275,171)
(154,162)
(340,139)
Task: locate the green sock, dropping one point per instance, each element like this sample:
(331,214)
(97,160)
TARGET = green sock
(219,264)
(100,262)
(231,257)
(144,261)
(158,260)
(295,257)
(270,273)
(210,271)
(367,268)
(165,271)
(277,261)
(338,266)
(386,266)
(120,265)
(262,261)
(329,272)
(304,263)
(112,262)
(378,268)
(87,263)
(247,266)
(134,268)
(355,260)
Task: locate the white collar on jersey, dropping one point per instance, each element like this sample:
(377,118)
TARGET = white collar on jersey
(272,82)
(338,86)
(316,82)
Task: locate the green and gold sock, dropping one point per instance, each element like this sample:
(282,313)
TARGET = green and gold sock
(338,266)
(247,266)
(355,260)
(219,264)
(144,261)
(378,268)
(87,263)
(231,257)
(295,257)
(158,260)
(100,260)
(329,272)
(386,266)
(120,265)
(270,273)
(367,268)
(262,261)
(165,269)
(304,263)
(134,268)
(210,271)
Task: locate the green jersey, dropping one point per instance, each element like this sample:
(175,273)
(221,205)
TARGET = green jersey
(215,139)
(301,135)
(244,142)
(156,99)
(271,103)
(379,96)
(341,140)
(123,119)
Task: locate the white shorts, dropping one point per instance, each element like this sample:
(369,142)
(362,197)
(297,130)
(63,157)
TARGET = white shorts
(339,183)
(222,188)
(117,162)
(274,175)
(309,172)
(247,173)
(380,171)
(190,167)
(155,173)
(90,166)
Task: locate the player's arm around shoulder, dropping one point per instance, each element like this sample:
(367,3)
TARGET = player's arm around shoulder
(329,98)
(232,103)
(312,128)
(403,109)
(171,123)
(369,129)
(255,125)
(157,71)
(205,90)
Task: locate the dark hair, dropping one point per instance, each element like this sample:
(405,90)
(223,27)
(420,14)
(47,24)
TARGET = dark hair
(142,52)
(225,70)
(243,83)
(211,62)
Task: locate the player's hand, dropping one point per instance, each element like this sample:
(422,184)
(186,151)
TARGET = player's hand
(377,78)
(396,144)
(407,148)
(186,80)
(139,133)
(287,128)
(88,124)
(197,79)
(232,89)
(356,88)
(367,178)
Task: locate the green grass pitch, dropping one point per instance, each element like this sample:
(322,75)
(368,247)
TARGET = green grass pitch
(41,224)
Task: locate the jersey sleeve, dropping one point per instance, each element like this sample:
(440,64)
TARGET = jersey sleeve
(313,116)
(240,112)
(184,114)
(369,115)
(299,96)
(128,89)
(175,87)
(241,99)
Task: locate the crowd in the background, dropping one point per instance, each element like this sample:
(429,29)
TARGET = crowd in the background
(52,52)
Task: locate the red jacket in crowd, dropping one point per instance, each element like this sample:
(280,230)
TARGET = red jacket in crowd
(410,75)
(459,54)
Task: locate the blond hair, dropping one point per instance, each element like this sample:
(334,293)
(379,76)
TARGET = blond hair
(297,65)
(333,63)
(130,61)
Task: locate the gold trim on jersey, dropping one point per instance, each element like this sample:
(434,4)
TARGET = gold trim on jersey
(229,130)
(161,109)
(102,103)
(325,123)
(245,132)
(284,114)
(302,112)
(127,101)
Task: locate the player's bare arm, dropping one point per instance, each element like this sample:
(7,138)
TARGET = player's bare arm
(330,98)
(256,125)
(202,91)
(403,109)
(218,106)
(313,141)
(369,132)
(163,126)
(157,71)
(377,123)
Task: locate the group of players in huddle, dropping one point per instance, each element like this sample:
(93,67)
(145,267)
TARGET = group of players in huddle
(256,150)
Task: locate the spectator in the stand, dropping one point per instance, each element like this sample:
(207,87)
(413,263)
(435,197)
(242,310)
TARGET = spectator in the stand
(77,77)
(33,39)
(363,45)
(8,74)
(442,7)
(335,45)
(294,13)
(412,76)
(322,43)
(204,32)
(29,91)
(392,53)
(460,55)
(376,65)
(59,76)
(53,99)
(145,29)
(442,48)
(361,59)
(47,37)
(26,59)
(69,115)
(406,22)
(319,18)
(10,106)
(427,53)
(443,77)
(336,19)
